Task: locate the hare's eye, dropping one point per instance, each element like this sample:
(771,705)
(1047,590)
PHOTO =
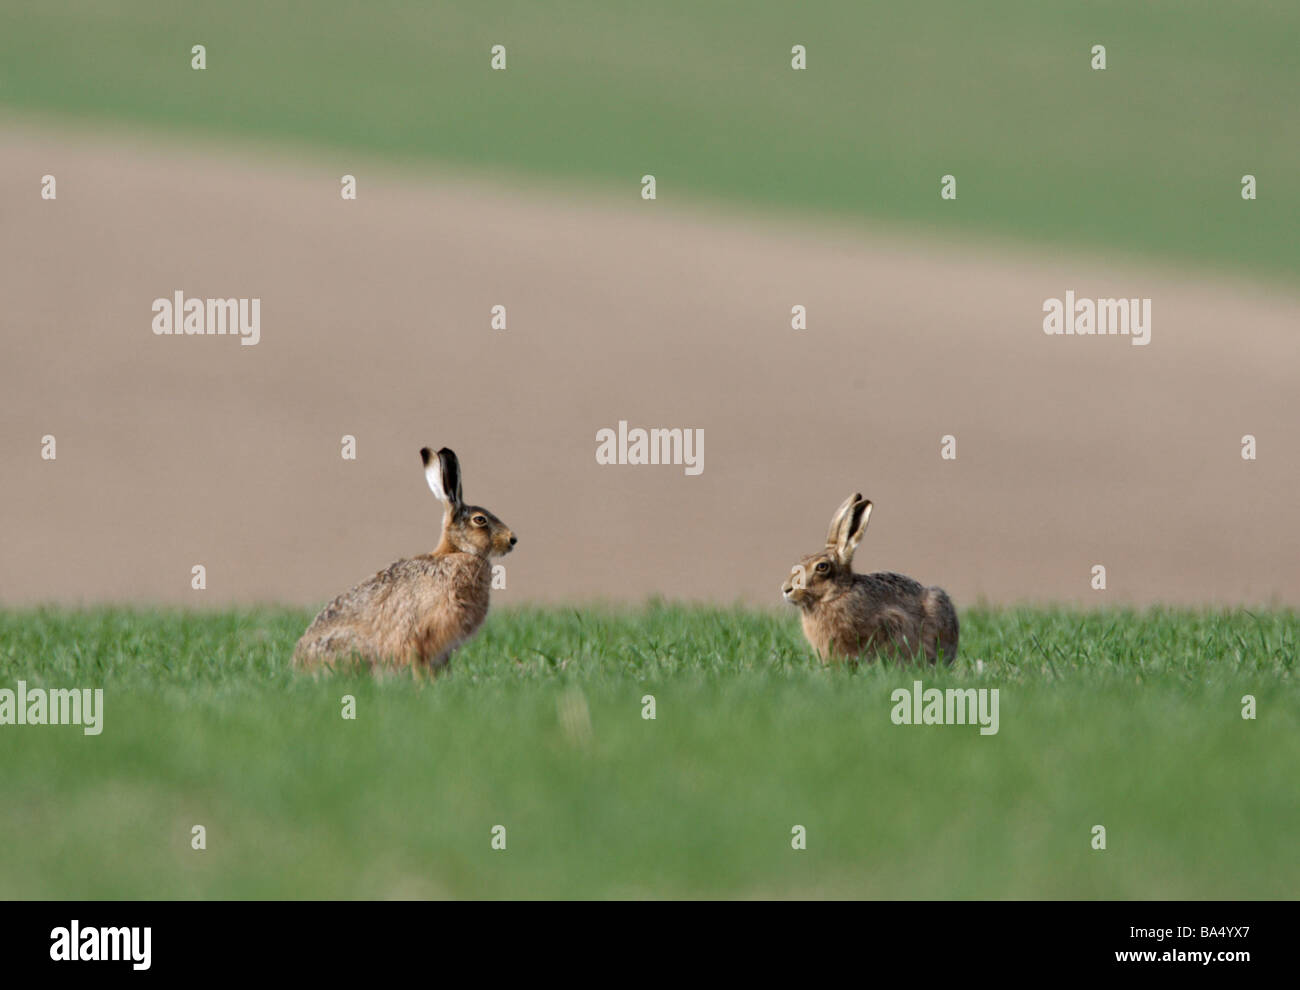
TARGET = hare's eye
(823,567)
(480,520)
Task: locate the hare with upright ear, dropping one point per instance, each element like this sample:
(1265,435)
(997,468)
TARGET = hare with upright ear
(847,615)
(415,612)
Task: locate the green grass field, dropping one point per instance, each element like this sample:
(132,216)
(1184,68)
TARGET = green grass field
(1127,720)
(1143,158)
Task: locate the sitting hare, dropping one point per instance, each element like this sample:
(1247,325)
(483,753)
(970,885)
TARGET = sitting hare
(415,612)
(846,615)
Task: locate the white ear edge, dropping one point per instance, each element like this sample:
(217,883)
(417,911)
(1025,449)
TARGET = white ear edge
(835,535)
(862,523)
(433,475)
(853,537)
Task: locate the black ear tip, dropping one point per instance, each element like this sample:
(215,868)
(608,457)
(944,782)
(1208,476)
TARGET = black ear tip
(446,452)
(426,455)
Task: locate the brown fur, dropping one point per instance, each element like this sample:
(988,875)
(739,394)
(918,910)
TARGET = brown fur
(847,616)
(416,611)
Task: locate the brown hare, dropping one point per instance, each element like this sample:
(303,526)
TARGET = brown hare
(415,612)
(847,615)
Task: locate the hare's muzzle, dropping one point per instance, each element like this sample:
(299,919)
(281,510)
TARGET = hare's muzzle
(794,589)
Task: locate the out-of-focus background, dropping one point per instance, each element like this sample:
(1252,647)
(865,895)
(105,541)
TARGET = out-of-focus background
(775,188)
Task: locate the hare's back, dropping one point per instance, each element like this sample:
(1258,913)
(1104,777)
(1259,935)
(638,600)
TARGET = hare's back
(401,581)
(886,587)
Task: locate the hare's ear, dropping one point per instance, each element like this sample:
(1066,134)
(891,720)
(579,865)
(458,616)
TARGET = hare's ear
(855,526)
(442,471)
(835,536)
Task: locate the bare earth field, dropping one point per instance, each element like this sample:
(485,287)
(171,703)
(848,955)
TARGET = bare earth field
(174,451)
